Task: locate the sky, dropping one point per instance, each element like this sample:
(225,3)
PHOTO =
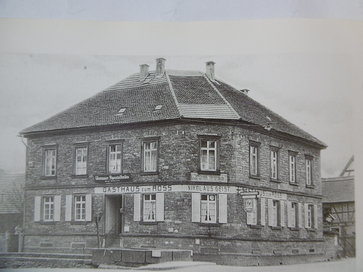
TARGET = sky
(301,66)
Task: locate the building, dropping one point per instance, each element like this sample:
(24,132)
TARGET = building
(11,209)
(339,208)
(173,159)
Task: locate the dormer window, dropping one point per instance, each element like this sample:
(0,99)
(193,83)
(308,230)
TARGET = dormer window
(158,107)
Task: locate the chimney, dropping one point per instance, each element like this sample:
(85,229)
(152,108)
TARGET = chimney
(160,66)
(144,71)
(209,69)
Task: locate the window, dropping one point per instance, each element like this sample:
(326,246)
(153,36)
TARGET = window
(292,168)
(293,213)
(114,158)
(274,213)
(149,213)
(254,159)
(310,216)
(274,163)
(150,156)
(50,162)
(208,211)
(48,211)
(208,155)
(81,161)
(80,208)
(308,171)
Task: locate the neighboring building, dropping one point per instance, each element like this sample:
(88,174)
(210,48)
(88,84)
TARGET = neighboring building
(339,207)
(11,207)
(173,159)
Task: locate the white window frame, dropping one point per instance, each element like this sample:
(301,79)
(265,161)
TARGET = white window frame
(309,171)
(208,156)
(276,207)
(206,216)
(114,163)
(81,166)
(310,216)
(254,154)
(295,208)
(274,164)
(149,200)
(292,168)
(50,162)
(80,208)
(48,208)
(150,162)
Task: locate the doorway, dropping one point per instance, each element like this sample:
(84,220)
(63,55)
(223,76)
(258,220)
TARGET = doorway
(114,215)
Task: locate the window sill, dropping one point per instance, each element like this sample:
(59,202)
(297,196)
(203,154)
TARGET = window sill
(48,177)
(276,228)
(255,226)
(79,176)
(148,222)
(310,230)
(206,172)
(149,173)
(275,180)
(79,222)
(293,184)
(47,222)
(294,228)
(205,224)
(310,186)
(255,177)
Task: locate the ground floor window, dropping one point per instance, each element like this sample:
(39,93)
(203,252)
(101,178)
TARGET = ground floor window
(149,207)
(48,208)
(292,214)
(80,208)
(208,210)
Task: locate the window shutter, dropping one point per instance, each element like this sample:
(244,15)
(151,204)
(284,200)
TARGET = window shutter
(306,214)
(222,208)
(282,213)
(37,201)
(137,207)
(300,215)
(263,211)
(315,216)
(195,207)
(270,215)
(160,207)
(289,214)
(68,216)
(57,207)
(89,207)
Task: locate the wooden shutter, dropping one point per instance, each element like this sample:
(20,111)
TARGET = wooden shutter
(315,216)
(68,216)
(269,210)
(160,207)
(57,207)
(300,215)
(282,213)
(195,207)
(37,202)
(137,207)
(89,207)
(263,211)
(222,211)
(289,214)
(306,214)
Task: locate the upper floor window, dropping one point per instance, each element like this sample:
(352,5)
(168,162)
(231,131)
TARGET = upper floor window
(274,164)
(292,168)
(208,209)
(254,157)
(149,212)
(50,161)
(150,156)
(81,161)
(48,208)
(308,171)
(208,155)
(114,158)
(80,208)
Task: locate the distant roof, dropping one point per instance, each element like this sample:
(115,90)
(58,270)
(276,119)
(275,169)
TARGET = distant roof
(338,189)
(7,183)
(182,94)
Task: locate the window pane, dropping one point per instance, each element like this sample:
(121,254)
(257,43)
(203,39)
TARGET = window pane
(212,160)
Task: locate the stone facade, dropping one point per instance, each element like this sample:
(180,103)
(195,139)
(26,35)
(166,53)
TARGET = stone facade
(178,160)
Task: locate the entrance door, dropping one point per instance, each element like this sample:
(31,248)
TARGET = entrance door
(114,214)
